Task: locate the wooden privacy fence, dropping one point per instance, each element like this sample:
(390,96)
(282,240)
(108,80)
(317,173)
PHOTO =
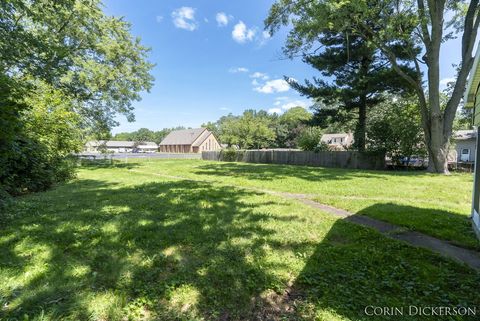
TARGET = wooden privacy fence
(341,159)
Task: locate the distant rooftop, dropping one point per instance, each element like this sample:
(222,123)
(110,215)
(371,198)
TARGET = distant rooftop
(464,134)
(110,143)
(186,137)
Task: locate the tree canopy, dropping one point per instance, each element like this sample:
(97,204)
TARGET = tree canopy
(407,33)
(66,70)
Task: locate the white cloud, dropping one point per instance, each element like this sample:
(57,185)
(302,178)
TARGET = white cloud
(242,34)
(159,18)
(273,86)
(255,82)
(445,81)
(223,19)
(274,111)
(184,18)
(224,108)
(281,106)
(296,103)
(235,70)
(260,75)
(265,38)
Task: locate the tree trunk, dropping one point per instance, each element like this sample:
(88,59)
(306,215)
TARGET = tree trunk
(438,149)
(360,131)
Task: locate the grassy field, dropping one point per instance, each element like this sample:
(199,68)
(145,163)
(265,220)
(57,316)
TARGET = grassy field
(433,204)
(123,242)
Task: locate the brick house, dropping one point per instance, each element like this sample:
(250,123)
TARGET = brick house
(193,140)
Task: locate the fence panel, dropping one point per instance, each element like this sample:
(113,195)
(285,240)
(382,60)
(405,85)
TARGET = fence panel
(338,159)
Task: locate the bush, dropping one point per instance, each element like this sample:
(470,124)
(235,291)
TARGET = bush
(309,139)
(229,155)
(29,167)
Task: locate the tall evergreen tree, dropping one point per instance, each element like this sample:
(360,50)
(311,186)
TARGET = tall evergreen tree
(355,74)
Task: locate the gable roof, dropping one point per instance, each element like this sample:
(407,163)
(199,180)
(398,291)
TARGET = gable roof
(147,145)
(110,143)
(464,134)
(202,138)
(183,136)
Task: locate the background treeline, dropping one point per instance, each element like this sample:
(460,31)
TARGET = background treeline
(259,129)
(66,71)
(145,135)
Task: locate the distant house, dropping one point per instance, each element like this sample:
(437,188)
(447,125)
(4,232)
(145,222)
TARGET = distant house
(189,141)
(465,145)
(98,146)
(146,147)
(341,140)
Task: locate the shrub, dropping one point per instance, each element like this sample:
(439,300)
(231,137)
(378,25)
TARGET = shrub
(229,155)
(29,167)
(309,139)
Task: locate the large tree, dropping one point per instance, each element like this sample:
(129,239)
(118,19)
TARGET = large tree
(63,63)
(403,26)
(354,72)
(74,47)
(289,125)
(253,129)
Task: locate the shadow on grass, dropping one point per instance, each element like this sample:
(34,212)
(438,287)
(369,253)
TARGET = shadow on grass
(442,224)
(157,248)
(187,250)
(107,163)
(275,171)
(353,269)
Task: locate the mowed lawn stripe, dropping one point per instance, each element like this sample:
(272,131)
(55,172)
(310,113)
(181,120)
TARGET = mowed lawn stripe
(432,204)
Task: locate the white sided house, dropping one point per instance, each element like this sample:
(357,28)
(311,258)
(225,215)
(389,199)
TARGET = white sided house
(465,145)
(194,140)
(338,140)
(146,147)
(110,146)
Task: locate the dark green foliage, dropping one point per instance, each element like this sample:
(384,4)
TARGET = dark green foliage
(66,71)
(395,128)
(354,72)
(31,168)
(229,155)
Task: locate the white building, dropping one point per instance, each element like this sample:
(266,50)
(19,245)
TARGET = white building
(99,146)
(342,140)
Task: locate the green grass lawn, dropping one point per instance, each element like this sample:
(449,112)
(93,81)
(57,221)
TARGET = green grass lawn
(120,243)
(433,204)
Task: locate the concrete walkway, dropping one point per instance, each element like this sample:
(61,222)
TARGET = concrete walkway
(460,254)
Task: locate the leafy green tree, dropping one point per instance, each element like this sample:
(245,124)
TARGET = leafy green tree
(68,49)
(355,72)
(289,125)
(309,139)
(143,135)
(398,29)
(251,130)
(395,128)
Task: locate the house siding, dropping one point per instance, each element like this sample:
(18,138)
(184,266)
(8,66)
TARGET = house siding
(469,144)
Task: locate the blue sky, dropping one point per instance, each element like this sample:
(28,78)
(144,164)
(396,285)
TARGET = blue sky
(212,58)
